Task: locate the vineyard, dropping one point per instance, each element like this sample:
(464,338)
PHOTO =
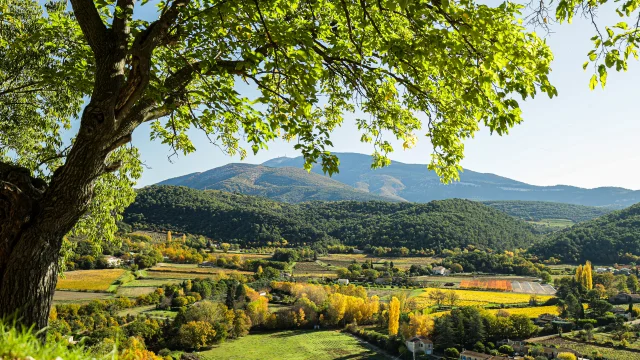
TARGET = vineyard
(480,298)
(91,280)
(501,285)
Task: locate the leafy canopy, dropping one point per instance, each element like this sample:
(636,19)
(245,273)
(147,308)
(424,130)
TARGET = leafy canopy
(438,68)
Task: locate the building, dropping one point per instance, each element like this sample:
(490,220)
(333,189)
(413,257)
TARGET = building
(624,298)
(343,281)
(517,346)
(419,344)
(545,319)
(207,264)
(472,355)
(113,261)
(440,270)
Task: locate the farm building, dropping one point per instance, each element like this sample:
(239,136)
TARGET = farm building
(113,261)
(624,298)
(419,344)
(343,281)
(440,270)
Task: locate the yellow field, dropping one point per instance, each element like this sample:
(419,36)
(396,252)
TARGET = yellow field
(532,312)
(94,280)
(481,298)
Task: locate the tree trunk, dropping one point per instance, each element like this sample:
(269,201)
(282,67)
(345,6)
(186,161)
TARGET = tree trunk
(35,217)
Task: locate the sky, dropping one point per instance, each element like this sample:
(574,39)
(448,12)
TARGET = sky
(583,138)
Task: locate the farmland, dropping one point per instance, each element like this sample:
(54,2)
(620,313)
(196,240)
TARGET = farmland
(587,349)
(61,296)
(313,270)
(344,260)
(481,298)
(502,285)
(532,312)
(317,345)
(90,280)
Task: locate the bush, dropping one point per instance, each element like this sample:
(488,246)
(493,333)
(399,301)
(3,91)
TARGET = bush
(505,349)
(452,353)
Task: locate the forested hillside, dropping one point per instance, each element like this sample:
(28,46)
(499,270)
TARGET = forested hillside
(539,210)
(291,185)
(603,240)
(255,220)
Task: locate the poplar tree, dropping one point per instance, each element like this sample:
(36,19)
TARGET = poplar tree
(394,316)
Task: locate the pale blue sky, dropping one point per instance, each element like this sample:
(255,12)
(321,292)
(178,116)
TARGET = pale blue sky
(583,138)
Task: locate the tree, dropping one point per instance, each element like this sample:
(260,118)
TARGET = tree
(309,61)
(632,283)
(394,316)
(225,247)
(456,268)
(505,349)
(452,298)
(169,239)
(451,353)
(566,356)
(437,297)
(196,334)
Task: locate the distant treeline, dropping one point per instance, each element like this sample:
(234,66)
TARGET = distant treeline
(255,221)
(538,210)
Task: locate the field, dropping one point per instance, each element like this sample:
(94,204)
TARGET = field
(532,312)
(481,298)
(294,345)
(502,285)
(135,291)
(313,270)
(92,280)
(77,296)
(553,223)
(529,287)
(586,349)
(344,260)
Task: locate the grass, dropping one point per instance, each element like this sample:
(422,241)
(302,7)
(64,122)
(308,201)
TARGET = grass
(91,280)
(146,283)
(23,344)
(553,223)
(294,345)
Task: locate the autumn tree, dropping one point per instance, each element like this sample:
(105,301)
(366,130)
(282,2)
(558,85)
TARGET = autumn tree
(196,334)
(457,65)
(169,239)
(394,316)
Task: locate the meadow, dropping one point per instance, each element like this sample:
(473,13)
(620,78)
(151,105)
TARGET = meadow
(66,297)
(89,280)
(294,345)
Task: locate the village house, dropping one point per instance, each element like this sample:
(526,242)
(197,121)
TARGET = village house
(517,346)
(113,261)
(419,344)
(440,270)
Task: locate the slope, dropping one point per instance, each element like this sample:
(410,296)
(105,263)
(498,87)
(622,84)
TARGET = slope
(283,184)
(413,182)
(256,221)
(604,240)
(543,210)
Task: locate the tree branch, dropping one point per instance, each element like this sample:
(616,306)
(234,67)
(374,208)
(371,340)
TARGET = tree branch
(121,21)
(91,24)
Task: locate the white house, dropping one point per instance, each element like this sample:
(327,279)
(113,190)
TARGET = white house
(419,344)
(343,281)
(440,270)
(113,261)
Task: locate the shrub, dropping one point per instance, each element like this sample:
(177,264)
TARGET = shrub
(505,349)
(452,353)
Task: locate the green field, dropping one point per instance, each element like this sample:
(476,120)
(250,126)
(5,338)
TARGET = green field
(587,349)
(294,345)
(553,223)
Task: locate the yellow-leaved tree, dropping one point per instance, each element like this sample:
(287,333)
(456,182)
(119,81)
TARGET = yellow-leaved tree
(394,316)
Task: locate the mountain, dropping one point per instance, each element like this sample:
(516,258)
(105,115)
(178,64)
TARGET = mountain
(604,240)
(283,184)
(543,210)
(255,221)
(414,183)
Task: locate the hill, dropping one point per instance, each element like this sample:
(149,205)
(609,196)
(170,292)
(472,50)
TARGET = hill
(543,210)
(414,183)
(602,240)
(283,184)
(255,220)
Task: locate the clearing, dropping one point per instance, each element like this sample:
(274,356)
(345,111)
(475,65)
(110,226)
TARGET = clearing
(294,345)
